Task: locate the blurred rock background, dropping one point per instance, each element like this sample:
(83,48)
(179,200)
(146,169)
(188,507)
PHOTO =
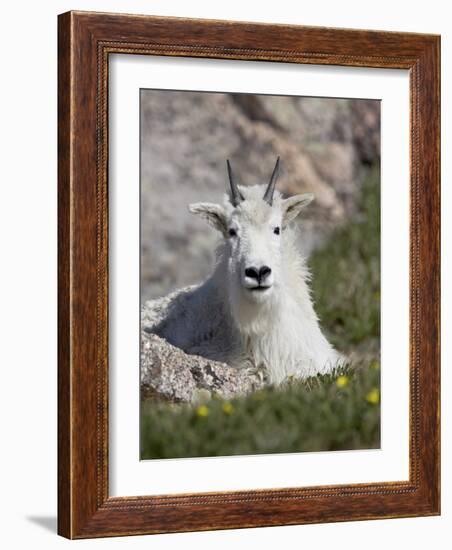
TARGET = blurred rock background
(325,145)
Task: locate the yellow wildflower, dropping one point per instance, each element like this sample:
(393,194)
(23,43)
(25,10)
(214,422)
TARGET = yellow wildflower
(375,365)
(373,397)
(227,408)
(342,381)
(202,411)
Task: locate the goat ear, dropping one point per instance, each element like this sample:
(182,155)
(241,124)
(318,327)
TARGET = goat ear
(214,214)
(293,206)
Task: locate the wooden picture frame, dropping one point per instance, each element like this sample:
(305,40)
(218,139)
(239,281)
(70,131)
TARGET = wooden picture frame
(85,42)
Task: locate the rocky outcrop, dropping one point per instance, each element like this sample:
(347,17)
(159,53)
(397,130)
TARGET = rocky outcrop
(167,373)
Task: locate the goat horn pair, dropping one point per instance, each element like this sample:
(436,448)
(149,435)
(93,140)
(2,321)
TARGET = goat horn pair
(237,197)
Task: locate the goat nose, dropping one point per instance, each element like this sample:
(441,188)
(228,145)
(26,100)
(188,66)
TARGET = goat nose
(258,274)
(264,272)
(252,273)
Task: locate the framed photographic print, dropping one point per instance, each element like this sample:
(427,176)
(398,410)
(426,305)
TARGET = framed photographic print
(248,275)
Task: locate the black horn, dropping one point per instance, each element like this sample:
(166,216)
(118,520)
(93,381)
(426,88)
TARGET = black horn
(236,196)
(268,197)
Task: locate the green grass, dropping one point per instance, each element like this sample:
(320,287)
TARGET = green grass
(323,413)
(346,276)
(318,415)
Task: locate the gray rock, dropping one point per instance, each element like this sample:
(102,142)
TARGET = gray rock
(167,373)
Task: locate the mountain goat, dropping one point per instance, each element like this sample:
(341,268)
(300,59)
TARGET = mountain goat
(256,307)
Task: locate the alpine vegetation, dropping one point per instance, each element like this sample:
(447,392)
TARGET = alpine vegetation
(255,310)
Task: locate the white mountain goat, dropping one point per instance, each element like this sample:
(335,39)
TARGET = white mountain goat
(256,305)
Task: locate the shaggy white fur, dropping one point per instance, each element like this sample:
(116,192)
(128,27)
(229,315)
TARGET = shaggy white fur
(238,318)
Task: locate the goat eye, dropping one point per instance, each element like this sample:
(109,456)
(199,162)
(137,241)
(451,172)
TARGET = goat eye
(276,231)
(232,232)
